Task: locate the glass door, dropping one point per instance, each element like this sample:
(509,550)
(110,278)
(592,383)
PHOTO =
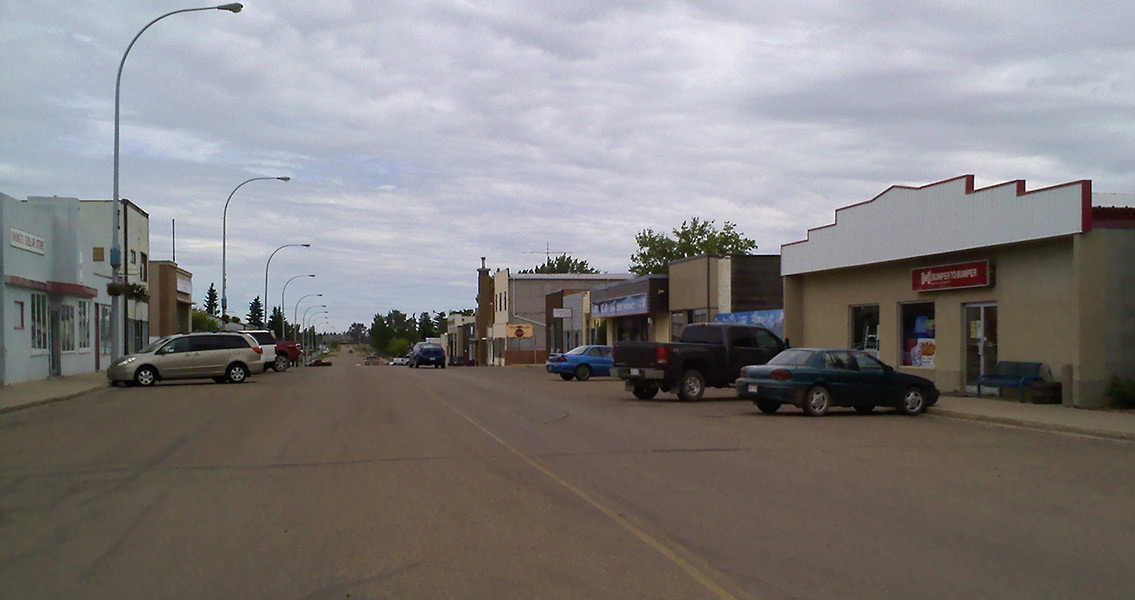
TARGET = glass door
(981,342)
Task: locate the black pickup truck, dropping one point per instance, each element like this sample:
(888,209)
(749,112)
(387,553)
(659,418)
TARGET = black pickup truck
(707,354)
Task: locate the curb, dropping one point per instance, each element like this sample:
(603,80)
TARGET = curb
(1037,425)
(34,403)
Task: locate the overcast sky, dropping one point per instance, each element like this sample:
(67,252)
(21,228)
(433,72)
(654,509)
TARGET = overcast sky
(421,135)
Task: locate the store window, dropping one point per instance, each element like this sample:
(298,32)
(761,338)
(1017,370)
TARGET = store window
(84,324)
(19,314)
(39,322)
(865,328)
(145,267)
(105,335)
(678,322)
(67,328)
(918,345)
(699,315)
(133,257)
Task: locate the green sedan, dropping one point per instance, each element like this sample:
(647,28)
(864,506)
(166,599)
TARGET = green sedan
(816,379)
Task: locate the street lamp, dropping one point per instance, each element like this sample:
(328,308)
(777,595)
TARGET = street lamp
(311,325)
(295,311)
(282,305)
(224,243)
(115,249)
(266,284)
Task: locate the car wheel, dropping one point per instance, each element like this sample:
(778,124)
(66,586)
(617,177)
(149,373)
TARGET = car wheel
(913,401)
(236,373)
(645,391)
(691,386)
(567,376)
(817,401)
(280,365)
(583,372)
(146,376)
(768,406)
(864,409)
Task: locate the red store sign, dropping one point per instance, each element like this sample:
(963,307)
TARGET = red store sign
(951,277)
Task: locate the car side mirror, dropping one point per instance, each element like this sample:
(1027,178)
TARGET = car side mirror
(888,368)
(787,344)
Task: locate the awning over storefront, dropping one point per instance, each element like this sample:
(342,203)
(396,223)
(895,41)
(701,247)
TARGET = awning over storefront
(639,296)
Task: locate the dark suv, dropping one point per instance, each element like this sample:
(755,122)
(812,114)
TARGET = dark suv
(427,353)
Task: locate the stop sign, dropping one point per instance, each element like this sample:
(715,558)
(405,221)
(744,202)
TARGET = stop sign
(519,332)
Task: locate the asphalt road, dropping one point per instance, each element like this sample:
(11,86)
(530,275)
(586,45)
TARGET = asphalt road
(388,482)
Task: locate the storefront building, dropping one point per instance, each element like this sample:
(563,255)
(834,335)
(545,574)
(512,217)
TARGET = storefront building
(171,299)
(636,310)
(48,303)
(945,280)
(703,287)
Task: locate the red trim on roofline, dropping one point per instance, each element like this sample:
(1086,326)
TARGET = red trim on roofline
(1085,198)
(55,287)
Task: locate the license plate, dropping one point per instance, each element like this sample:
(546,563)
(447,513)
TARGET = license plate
(636,372)
(752,388)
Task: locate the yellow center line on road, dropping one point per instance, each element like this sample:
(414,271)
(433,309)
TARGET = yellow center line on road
(694,572)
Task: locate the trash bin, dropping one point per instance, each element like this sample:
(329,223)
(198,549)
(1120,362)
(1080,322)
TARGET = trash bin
(1043,392)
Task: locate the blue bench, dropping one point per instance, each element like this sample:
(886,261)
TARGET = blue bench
(1011,373)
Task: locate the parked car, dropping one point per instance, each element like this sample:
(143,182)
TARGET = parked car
(581,362)
(290,352)
(371,360)
(427,353)
(267,343)
(223,356)
(706,354)
(816,379)
(400,361)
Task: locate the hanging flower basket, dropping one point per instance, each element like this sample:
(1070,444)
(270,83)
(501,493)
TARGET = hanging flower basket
(133,291)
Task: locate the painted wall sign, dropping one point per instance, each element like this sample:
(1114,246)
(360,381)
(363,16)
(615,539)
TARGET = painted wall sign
(27,241)
(561,313)
(184,285)
(519,330)
(628,305)
(951,277)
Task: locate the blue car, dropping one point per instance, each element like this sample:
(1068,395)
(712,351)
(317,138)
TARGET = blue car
(427,353)
(581,362)
(816,379)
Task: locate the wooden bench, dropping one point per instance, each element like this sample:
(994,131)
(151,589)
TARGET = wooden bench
(1011,373)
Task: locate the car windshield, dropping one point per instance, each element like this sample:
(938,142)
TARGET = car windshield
(154,346)
(577,350)
(792,357)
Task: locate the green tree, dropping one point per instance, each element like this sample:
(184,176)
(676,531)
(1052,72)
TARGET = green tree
(256,313)
(203,321)
(398,347)
(426,327)
(211,301)
(562,264)
(657,250)
(356,332)
(275,321)
(379,333)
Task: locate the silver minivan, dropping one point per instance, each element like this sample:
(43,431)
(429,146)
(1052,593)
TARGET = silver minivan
(222,356)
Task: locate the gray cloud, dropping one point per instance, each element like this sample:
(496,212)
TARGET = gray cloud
(423,135)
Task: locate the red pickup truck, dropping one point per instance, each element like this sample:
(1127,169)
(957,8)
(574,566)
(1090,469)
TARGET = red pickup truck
(287,354)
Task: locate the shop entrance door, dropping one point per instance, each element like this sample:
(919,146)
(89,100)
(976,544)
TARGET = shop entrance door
(981,342)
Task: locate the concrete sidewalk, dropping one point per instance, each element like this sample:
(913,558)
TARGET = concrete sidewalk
(1112,424)
(34,393)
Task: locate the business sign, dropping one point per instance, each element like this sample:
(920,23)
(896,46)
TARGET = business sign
(951,277)
(561,313)
(184,284)
(617,307)
(27,241)
(519,330)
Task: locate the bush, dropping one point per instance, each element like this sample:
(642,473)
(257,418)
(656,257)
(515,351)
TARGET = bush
(1121,392)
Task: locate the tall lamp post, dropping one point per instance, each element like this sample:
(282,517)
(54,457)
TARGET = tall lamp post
(115,249)
(282,305)
(303,329)
(314,319)
(269,263)
(295,311)
(224,243)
